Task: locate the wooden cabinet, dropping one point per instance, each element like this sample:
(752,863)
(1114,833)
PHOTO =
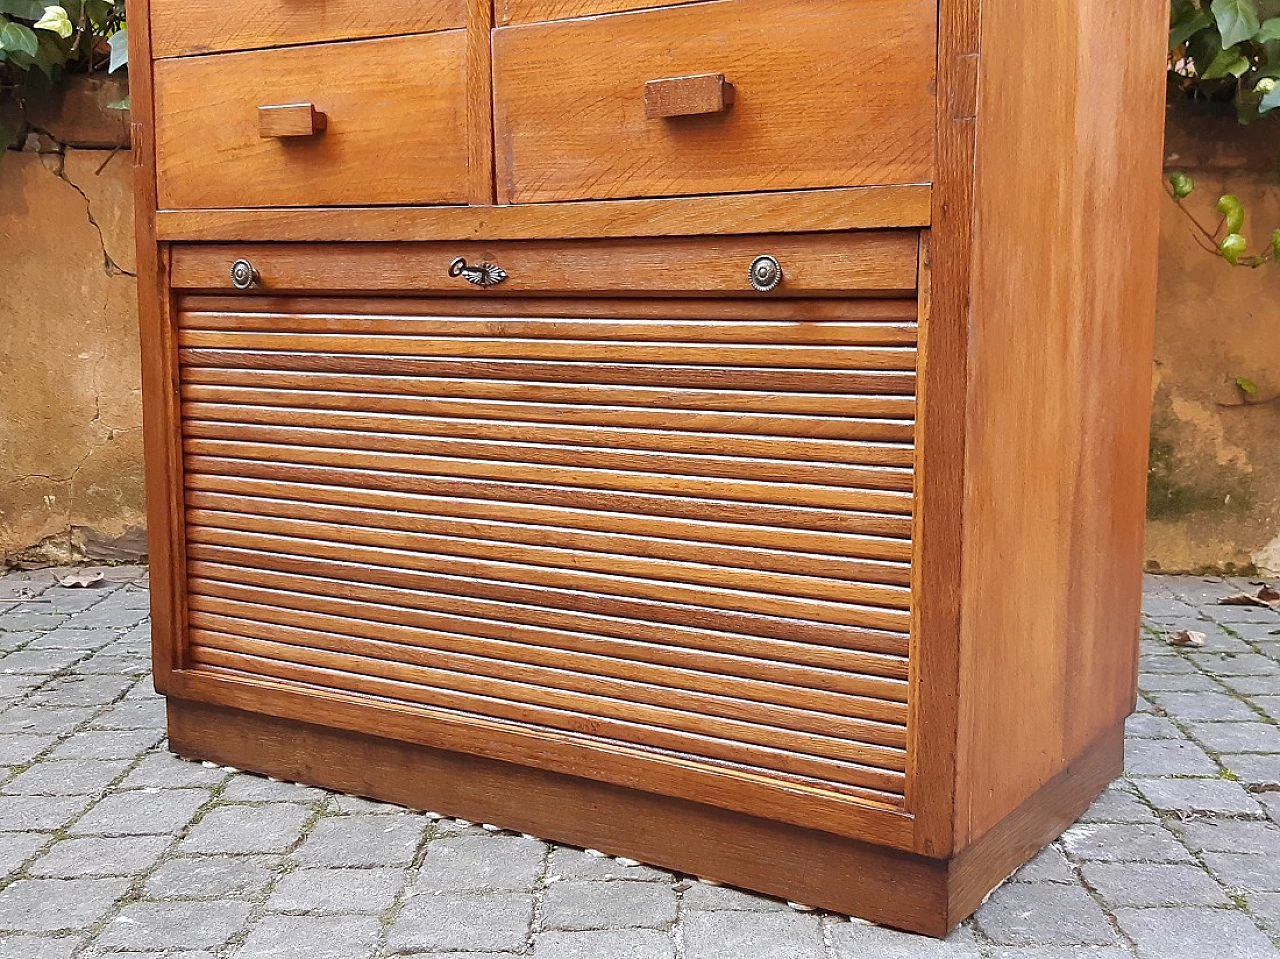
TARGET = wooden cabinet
(712,432)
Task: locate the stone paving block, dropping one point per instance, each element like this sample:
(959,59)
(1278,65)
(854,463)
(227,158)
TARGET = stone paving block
(1194,934)
(82,691)
(107,744)
(247,829)
(441,922)
(38,947)
(1123,842)
(507,863)
(1118,805)
(52,905)
(1269,705)
(1214,796)
(14,640)
(28,617)
(210,877)
(245,787)
(1254,737)
(66,777)
(1265,907)
(165,770)
(362,841)
(16,848)
(337,890)
(359,806)
(1251,685)
(1236,664)
(44,661)
(107,616)
(115,665)
(1166,757)
(568,863)
(31,719)
(1165,607)
(1143,884)
(62,599)
(1253,769)
(1049,865)
(1154,663)
(72,858)
(1230,835)
(1044,913)
(760,935)
(158,926)
(1245,871)
(1168,680)
(86,640)
(860,940)
(708,898)
(18,749)
(39,813)
(1058,952)
(1230,615)
(145,714)
(605,944)
(136,813)
(577,906)
(311,937)
(1209,707)
(1147,726)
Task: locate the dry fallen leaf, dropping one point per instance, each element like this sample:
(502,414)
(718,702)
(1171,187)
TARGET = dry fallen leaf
(1187,637)
(1268,594)
(1243,599)
(81,580)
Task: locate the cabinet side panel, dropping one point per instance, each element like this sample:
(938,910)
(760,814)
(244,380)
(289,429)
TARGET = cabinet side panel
(1068,182)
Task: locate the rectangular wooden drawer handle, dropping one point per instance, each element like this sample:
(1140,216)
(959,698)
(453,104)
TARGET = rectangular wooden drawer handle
(291,120)
(687,96)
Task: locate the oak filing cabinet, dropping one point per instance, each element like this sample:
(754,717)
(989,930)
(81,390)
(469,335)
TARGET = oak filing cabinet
(710,432)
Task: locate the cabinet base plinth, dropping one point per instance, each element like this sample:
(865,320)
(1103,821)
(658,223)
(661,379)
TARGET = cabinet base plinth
(885,886)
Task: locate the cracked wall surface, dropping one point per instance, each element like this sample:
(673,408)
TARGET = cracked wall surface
(1214,491)
(71,476)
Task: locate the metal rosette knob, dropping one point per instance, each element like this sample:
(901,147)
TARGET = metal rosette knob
(481,274)
(766,273)
(244,275)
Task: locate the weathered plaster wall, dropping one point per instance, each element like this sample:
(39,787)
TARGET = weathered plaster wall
(1214,497)
(70,401)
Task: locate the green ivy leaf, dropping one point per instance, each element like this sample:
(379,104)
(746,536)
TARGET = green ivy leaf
(1232,212)
(1271,101)
(1269,31)
(26,9)
(1180,33)
(1275,244)
(1237,20)
(119,43)
(119,104)
(1247,386)
(15,38)
(1233,247)
(1229,62)
(1182,185)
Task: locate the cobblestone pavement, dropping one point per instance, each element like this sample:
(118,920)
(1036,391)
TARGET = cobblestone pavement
(110,846)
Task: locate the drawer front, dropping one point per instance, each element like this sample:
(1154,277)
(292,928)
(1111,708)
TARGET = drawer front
(393,127)
(870,263)
(179,28)
(701,547)
(570,100)
(536,11)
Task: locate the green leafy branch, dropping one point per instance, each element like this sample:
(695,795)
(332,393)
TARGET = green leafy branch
(1228,49)
(1227,239)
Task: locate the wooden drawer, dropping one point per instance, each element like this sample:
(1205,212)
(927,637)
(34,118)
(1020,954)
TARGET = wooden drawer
(570,111)
(394,133)
(537,11)
(179,28)
(867,263)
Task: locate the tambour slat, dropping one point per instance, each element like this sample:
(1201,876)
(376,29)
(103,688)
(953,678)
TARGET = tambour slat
(349,454)
(324,669)
(723,663)
(878,329)
(454,394)
(607,374)
(490,431)
(756,518)
(828,734)
(671,422)
(681,527)
(676,355)
(579,537)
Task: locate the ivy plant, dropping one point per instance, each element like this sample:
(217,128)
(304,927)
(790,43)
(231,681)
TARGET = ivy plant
(41,42)
(1227,50)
